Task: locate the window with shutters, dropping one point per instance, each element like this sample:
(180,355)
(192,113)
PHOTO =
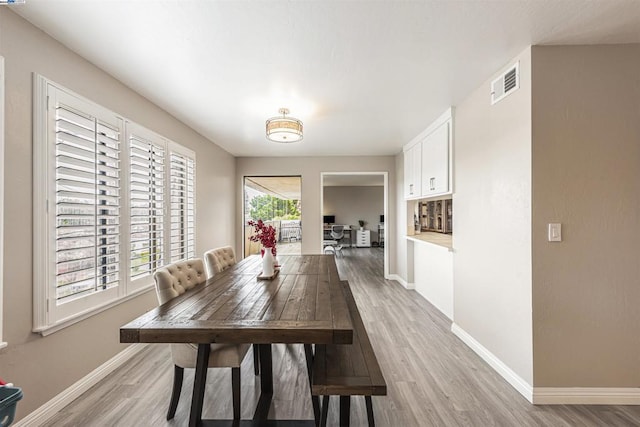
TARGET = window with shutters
(182,205)
(102,223)
(87,203)
(146,201)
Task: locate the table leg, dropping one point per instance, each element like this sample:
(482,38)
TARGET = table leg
(325,411)
(345,410)
(315,400)
(266,385)
(200,380)
(266,372)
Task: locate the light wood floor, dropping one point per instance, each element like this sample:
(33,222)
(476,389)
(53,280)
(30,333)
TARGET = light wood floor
(433,379)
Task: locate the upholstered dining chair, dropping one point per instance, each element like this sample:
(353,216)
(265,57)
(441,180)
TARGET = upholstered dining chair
(218,260)
(171,281)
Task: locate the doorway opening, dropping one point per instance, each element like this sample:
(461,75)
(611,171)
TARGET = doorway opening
(356,202)
(276,200)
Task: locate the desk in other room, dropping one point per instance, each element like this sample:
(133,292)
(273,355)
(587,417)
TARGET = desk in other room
(347,233)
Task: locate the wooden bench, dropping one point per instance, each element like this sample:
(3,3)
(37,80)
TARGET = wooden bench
(348,370)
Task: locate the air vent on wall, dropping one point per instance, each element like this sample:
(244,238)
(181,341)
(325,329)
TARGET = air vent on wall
(507,83)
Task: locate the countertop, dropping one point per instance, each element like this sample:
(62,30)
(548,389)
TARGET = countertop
(444,240)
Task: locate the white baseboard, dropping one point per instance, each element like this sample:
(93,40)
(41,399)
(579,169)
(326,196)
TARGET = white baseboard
(585,396)
(551,395)
(402,281)
(53,406)
(523,387)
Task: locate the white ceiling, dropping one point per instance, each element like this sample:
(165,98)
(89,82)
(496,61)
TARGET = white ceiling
(364,76)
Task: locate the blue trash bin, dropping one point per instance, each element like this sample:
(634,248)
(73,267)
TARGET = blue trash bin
(9,397)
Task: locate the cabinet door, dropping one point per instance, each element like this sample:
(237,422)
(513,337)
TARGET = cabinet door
(417,170)
(435,162)
(412,171)
(408,175)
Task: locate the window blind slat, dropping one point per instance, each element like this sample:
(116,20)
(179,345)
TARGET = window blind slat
(70,114)
(65,128)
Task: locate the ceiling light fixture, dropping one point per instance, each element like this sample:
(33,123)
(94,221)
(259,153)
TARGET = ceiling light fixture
(284,129)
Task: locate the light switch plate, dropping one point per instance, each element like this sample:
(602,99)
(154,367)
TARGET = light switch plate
(555,232)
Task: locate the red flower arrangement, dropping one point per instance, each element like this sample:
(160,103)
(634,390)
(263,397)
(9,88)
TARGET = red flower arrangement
(265,234)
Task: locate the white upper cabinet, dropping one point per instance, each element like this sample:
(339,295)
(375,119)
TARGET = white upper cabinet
(435,162)
(428,162)
(413,172)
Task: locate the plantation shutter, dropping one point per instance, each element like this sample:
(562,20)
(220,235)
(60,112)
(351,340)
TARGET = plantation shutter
(111,205)
(182,216)
(147,169)
(87,203)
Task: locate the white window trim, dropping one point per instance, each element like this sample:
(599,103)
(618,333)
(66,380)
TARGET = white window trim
(2,343)
(42,322)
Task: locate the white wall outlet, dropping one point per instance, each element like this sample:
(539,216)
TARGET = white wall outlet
(555,232)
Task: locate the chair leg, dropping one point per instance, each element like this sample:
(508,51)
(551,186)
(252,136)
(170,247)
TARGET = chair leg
(235,389)
(256,359)
(325,411)
(345,410)
(178,375)
(367,401)
(199,383)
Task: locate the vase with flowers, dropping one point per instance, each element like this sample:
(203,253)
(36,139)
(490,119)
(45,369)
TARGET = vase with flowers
(266,235)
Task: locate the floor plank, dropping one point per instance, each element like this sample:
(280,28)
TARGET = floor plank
(433,379)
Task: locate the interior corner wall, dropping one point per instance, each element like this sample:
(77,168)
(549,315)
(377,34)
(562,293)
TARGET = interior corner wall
(350,204)
(310,169)
(45,366)
(586,176)
(400,209)
(492,221)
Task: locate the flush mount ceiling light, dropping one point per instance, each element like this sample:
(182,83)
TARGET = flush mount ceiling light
(284,129)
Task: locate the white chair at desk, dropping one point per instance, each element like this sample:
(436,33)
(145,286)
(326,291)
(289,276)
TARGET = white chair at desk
(333,245)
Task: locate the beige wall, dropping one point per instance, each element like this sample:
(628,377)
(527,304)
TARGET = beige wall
(310,168)
(44,366)
(349,204)
(586,175)
(492,221)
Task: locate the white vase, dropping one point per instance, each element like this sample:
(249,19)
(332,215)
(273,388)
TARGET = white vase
(267,263)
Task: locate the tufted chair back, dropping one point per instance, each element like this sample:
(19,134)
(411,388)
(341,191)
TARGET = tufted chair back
(175,279)
(219,259)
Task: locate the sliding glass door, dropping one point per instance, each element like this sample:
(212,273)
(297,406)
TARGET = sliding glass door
(276,201)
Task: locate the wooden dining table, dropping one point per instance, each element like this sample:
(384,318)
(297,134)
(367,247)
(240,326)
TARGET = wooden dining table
(303,303)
